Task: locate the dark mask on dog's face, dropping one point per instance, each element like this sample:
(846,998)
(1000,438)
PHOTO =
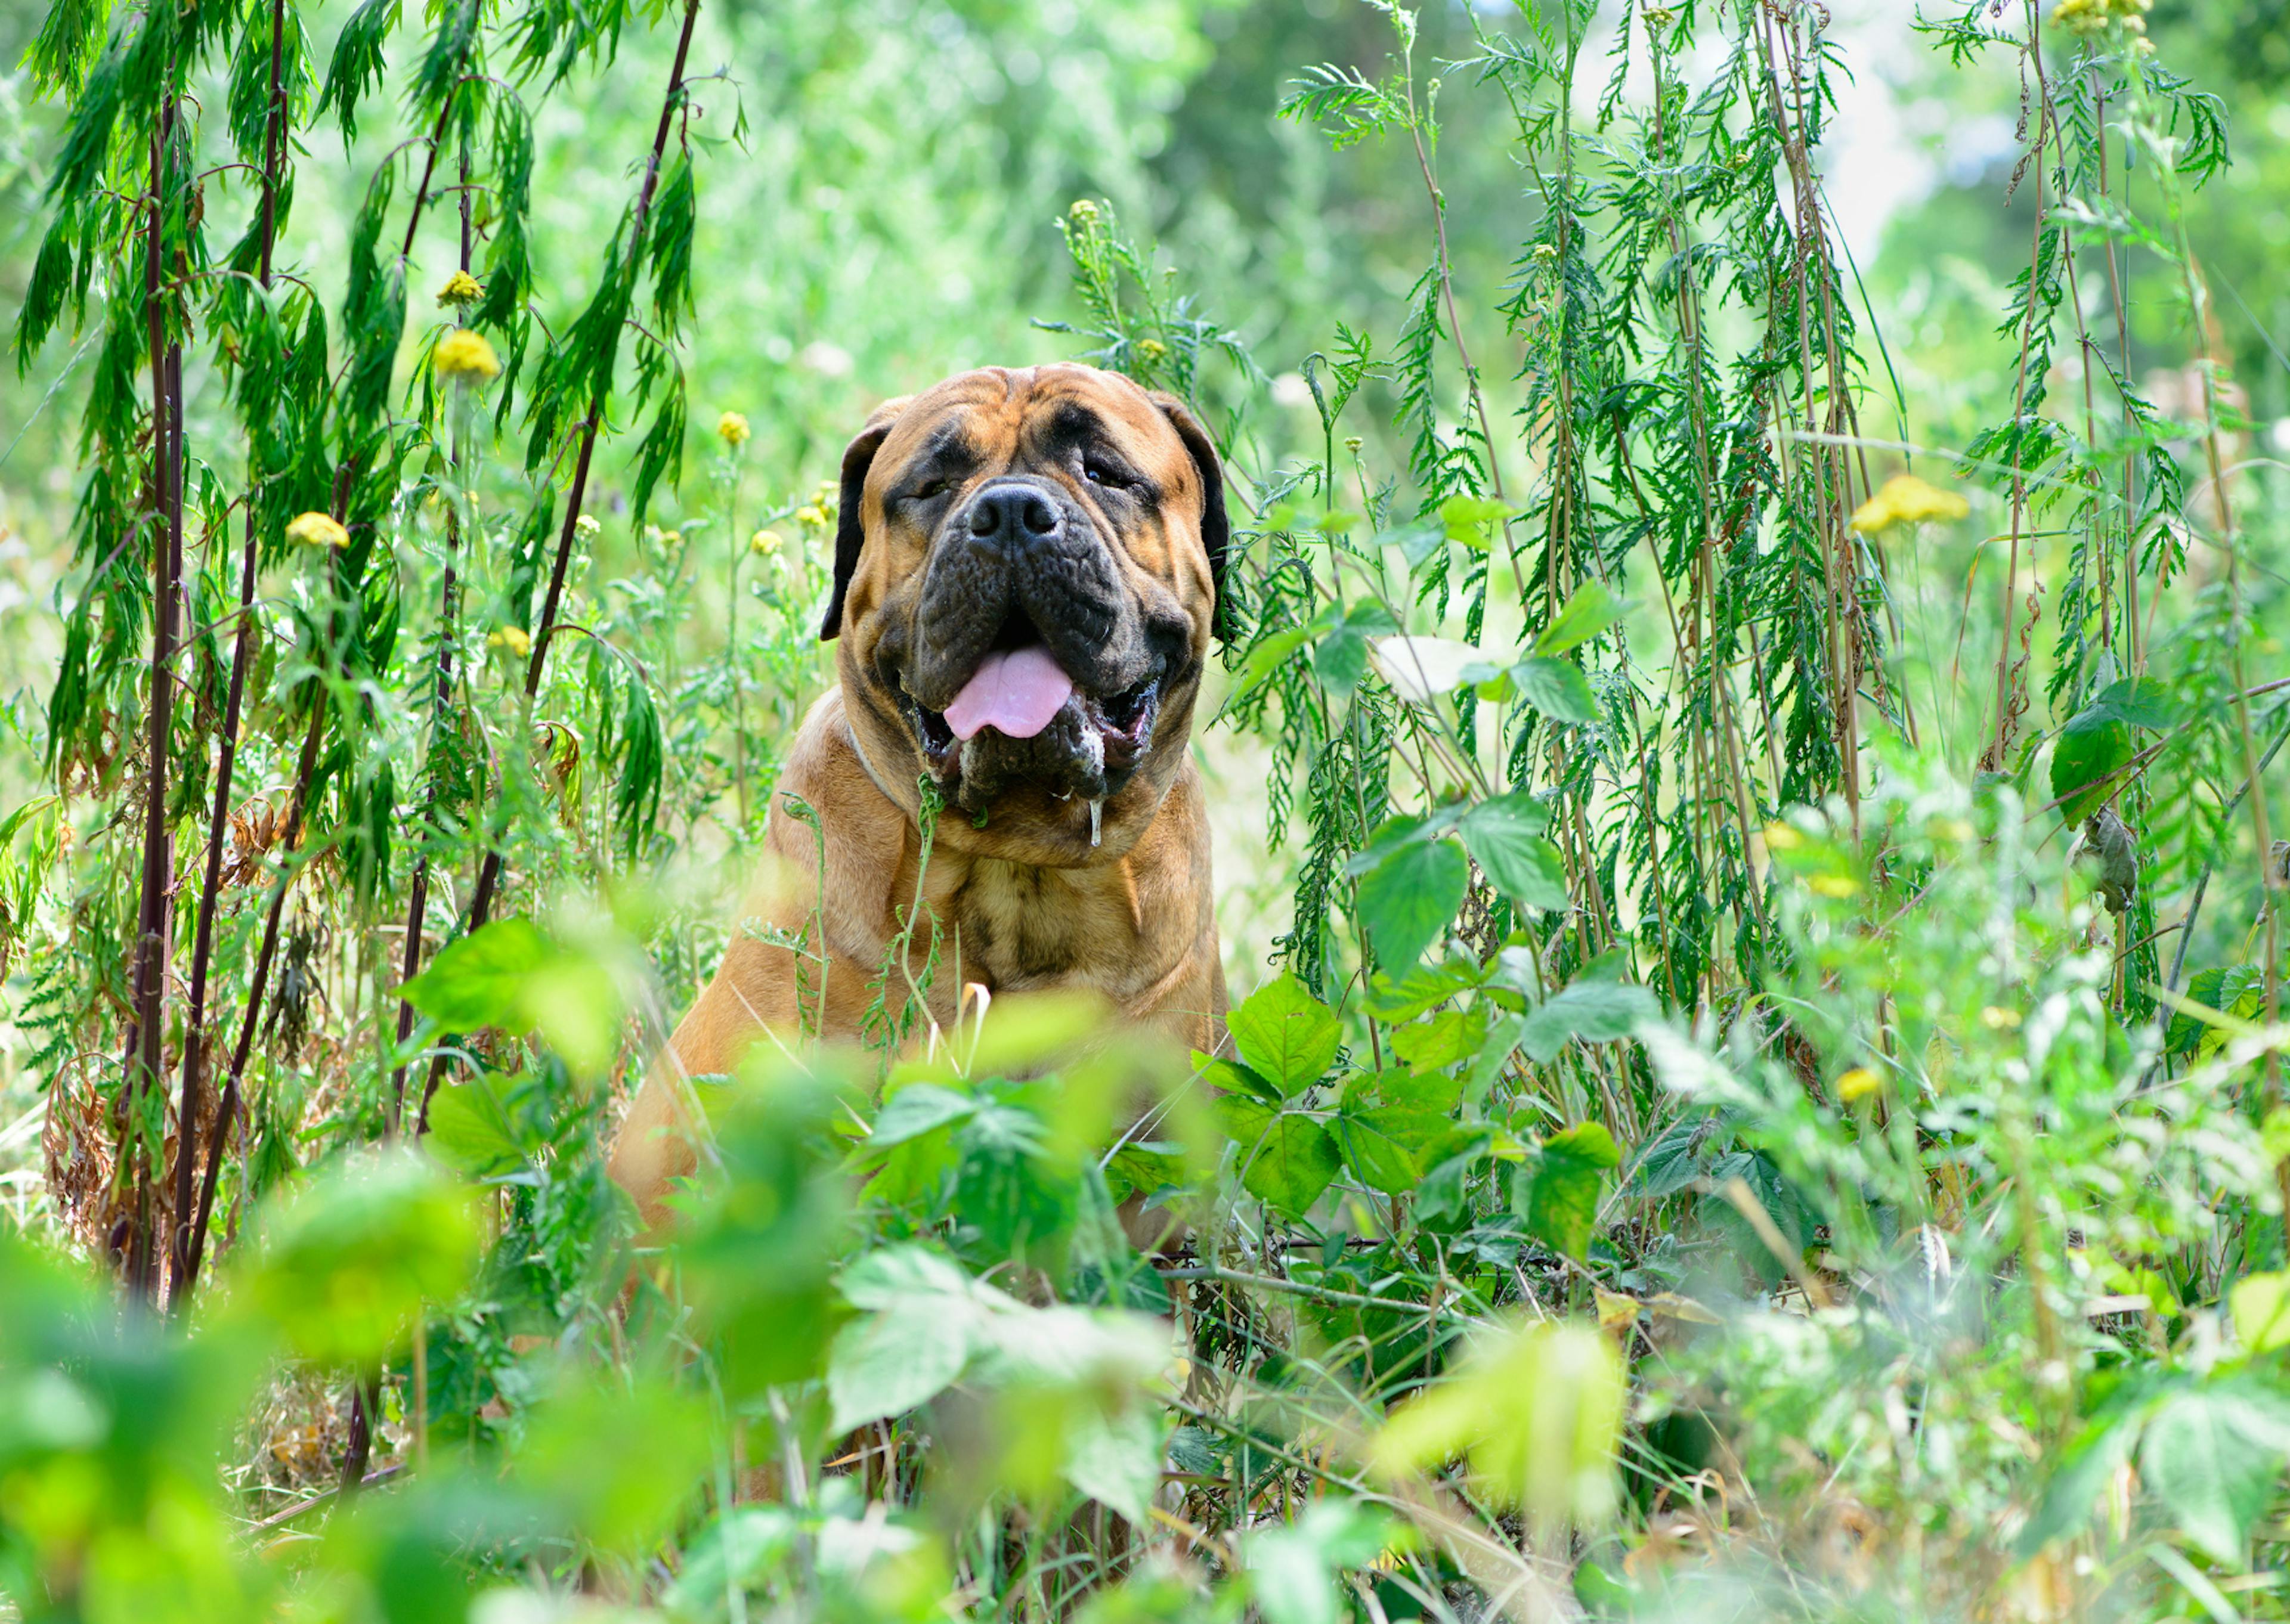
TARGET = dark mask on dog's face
(1026,582)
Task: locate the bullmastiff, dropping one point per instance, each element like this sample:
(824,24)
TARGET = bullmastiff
(1026,571)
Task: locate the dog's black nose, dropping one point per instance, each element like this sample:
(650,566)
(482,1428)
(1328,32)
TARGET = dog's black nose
(1014,512)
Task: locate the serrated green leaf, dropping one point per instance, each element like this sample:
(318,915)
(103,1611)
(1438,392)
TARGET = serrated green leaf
(2091,747)
(2212,1456)
(1589,612)
(1555,1189)
(1286,1033)
(1506,835)
(1594,1012)
(1557,689)
(1294,1160)
(1407,900)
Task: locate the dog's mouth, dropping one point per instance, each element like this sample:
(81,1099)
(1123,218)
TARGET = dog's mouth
(1020,717)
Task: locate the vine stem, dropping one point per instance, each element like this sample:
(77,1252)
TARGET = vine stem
(489,871)
(187,1115)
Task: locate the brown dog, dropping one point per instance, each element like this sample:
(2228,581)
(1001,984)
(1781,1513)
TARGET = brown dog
(1027,571)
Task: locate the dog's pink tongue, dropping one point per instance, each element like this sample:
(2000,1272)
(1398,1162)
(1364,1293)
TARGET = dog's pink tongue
(1017,692)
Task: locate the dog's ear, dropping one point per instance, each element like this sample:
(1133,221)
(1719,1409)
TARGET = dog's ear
(1216,529)
(850,531)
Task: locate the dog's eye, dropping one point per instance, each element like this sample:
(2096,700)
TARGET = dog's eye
(1099,473)
(936,487)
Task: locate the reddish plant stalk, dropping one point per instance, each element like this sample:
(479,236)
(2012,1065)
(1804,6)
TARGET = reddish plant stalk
(186,1133)
(147,1043)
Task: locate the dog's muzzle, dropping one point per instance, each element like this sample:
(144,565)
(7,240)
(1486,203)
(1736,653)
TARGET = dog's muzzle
(1031,664)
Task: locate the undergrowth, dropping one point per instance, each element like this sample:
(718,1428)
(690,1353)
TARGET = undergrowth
(1762,1106)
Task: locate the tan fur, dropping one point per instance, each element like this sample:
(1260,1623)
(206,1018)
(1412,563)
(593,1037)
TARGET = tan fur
(1025,904)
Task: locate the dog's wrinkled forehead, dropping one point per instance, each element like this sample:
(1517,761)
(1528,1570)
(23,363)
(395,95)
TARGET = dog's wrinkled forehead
(993,422)
(1057,422)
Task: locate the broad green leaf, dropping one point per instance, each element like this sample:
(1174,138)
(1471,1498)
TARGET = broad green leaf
(2232,990)
(1230,1077)
(2212,1456)
(2138,702)
(1286,1033)
(1294,1160)
(479,980)
(896,1359)
(1539,1409)
(1407,901)
(1264,659)
(618,1459)
(1384,1143)
(341,1265)
(1594,1012)
(2091,747)
(473,1130)
(918,1109)
(1116,1459)
(1506,835)
(1589,612)
(2262,1312)
(1467,519)
(1416,541)
(1449,1036)
(1555,1189)
(1292,1566)
(1557,689)
(1340,659)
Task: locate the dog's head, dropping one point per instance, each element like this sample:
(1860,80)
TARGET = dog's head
(1026,578)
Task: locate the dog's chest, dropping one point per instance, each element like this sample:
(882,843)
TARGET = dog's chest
(1017,927)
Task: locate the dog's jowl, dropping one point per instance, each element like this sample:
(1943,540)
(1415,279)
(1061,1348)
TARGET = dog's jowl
(1026,586)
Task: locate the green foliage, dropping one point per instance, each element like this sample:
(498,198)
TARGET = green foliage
(1703,1143)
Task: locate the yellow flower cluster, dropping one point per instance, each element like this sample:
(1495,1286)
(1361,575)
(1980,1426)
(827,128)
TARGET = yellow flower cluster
(731,428)
(461,289)
(1906,500)
(763,543)
(463,354)
(514,638)
(1083,213)
(587,528)
(2092,16)
(1151,349)
(317,530)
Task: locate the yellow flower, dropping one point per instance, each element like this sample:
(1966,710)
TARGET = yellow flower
(1084,212)
(587,528)
(811,514)
(1906,500)
(2092,16)
(317,530)
(461,289)
(514,638)
(1996,1018)
(1152,349)
(463,354)
(1858,1084)
(763,543)
(1837,885)
(731,428)
(1781,837)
